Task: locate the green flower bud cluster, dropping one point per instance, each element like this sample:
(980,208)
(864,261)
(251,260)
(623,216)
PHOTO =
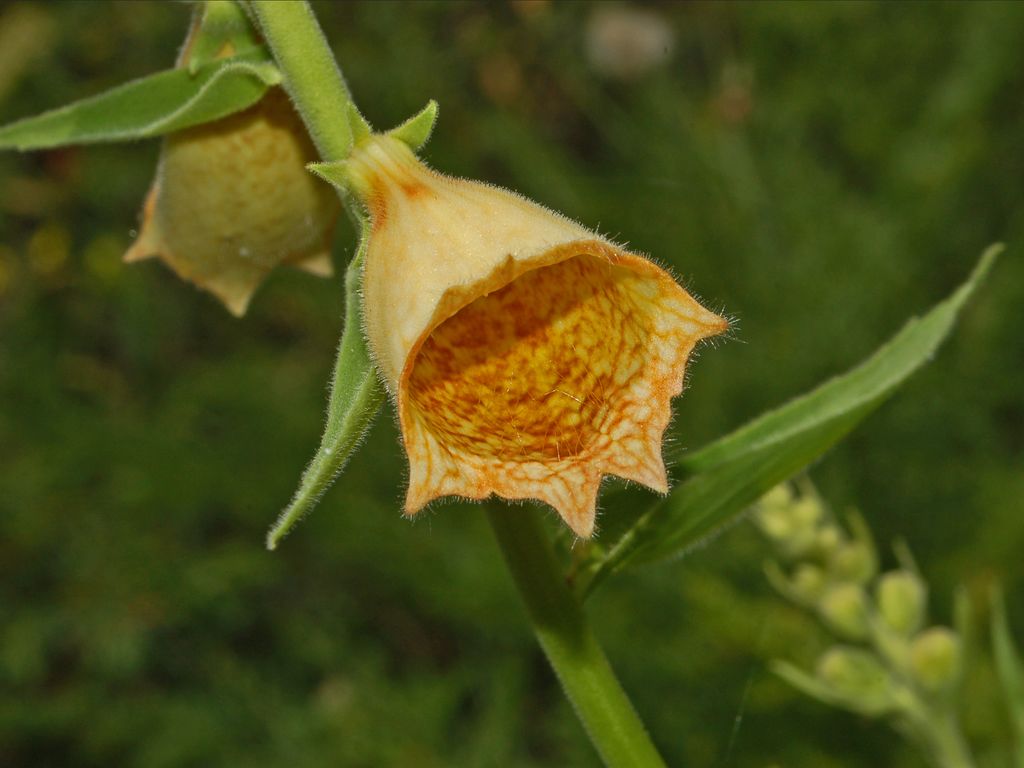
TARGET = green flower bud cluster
(888,663)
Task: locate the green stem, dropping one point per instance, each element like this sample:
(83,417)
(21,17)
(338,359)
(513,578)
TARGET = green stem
(570,645)
(947,742)
(311,74)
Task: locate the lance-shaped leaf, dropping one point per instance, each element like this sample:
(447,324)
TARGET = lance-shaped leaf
(151,106)
(356,397)
(736,470)
(1010,672)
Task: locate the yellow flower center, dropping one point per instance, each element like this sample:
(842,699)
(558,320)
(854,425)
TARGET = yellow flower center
(539,369)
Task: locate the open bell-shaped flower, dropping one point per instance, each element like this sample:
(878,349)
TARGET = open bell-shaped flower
(232,200)
(528,357)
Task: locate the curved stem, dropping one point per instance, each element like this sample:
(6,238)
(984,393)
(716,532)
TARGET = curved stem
(569,643)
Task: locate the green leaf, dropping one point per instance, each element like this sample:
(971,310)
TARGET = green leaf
(151,106)
(356,397)
(736,470)
(1010,672)
(333,173)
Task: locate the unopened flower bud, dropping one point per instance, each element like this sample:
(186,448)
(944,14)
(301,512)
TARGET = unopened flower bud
(901,601)
(844,608)
(827,539)
(779,497)
(232,200)
(935,658)
(774,521)
(808,511)
(800,542)
(807,583)
(854,561)
(857,678)
(791,523)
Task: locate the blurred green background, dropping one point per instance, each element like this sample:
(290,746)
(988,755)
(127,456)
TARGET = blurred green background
(821,171)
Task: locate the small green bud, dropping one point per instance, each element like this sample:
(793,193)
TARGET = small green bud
(781,496)
(935,658)
(854,561)
(800,542)
(774,522)
(901,599)
(828,539)
(807,583)
(857,678)
(807,511)
(790,522)
(844,608)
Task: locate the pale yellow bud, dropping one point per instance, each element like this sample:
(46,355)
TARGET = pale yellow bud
(935,658)
(854,561)
(779,497)
(844,607)
(808,583)
(828,539)
(900,596)
(808,512)
(857,678)
(232,200)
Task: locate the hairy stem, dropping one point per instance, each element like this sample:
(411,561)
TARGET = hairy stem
(569,643)
(311,74)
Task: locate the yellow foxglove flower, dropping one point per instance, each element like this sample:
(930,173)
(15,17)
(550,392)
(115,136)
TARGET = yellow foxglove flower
(232,200)
(527,356)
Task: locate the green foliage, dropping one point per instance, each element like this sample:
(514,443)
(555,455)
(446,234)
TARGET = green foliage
(356,392)
(821,170)
(150,106)
(356,397)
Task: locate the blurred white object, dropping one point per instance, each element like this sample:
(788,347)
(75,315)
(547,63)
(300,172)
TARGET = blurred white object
(626,42)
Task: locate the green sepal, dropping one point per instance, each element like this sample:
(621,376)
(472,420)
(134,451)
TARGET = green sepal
(361,129)
(415,132)
(334,173)
(732,473)
(221,22)
(150,106)
(356,398)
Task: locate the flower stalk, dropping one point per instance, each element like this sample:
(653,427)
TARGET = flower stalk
(568,641)
(311,74)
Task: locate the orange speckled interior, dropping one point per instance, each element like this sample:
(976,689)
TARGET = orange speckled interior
(553,379)
(534,370)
